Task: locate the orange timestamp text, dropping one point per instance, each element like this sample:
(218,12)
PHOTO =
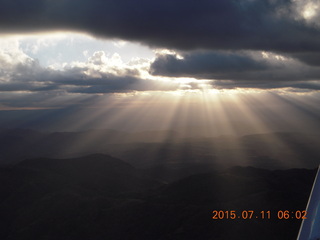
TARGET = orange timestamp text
(251,214)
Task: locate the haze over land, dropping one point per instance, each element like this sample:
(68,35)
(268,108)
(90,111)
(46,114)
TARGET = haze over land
(98,196)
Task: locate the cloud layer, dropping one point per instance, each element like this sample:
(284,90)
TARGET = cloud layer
(273,25)
(99,74)
(249,44)
(240,69)
(25,82)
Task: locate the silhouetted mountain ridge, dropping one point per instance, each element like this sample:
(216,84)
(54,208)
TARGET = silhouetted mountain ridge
(99,171)
(241,182)
(278,150)
(100,197)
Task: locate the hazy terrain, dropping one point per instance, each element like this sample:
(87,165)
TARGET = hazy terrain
(100,197)
(277,150)
(54,185)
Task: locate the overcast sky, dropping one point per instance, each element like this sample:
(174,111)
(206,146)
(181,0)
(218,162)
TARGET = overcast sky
(57,51)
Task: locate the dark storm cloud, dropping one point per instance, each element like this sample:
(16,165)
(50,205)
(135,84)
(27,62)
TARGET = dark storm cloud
(206,64)
(109,83)
(310,58)
(237,66)
(228,30)
(179,24)
(296,86)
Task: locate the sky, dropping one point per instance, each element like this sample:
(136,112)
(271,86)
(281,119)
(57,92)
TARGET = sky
(161,61)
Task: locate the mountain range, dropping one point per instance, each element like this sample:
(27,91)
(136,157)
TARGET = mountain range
(279,150)
(101,197)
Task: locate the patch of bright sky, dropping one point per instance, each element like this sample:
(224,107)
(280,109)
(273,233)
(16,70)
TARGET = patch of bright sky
(63,47)
(307,10)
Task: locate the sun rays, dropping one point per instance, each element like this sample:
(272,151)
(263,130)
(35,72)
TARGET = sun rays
(199,125)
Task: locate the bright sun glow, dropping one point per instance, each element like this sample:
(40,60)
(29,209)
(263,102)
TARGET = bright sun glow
(310,11)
